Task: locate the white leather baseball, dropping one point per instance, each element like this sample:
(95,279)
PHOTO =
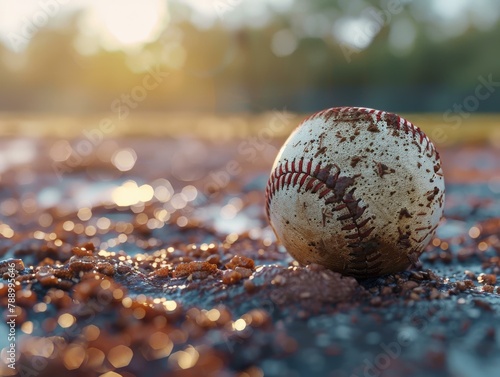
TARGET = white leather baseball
(358,190)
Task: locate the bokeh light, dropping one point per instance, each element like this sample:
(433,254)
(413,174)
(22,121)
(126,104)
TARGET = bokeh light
(130,26)
(130,193)
(124,159)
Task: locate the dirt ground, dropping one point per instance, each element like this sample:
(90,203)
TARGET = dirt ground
(150,254)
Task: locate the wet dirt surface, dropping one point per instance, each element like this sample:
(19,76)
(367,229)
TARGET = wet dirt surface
(154,257)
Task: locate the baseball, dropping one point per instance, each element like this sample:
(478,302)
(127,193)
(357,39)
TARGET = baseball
(357,190)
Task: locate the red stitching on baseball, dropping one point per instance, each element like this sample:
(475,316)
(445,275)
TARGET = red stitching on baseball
(362,258)
(392,120)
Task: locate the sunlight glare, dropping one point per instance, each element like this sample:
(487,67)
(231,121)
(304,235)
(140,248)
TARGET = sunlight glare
(129,24)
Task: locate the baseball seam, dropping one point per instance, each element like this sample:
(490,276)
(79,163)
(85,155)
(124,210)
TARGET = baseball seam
(392,120)
(333,188)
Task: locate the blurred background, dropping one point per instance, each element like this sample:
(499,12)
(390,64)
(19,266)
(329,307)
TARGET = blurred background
(144,124)
(228,56)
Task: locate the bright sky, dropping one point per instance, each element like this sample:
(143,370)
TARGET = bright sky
(128,24)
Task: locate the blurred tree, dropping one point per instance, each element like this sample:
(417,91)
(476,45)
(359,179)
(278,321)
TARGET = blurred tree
(215,68)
